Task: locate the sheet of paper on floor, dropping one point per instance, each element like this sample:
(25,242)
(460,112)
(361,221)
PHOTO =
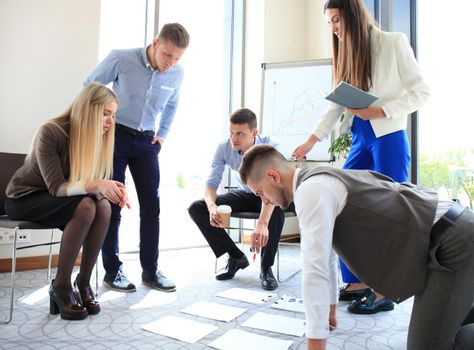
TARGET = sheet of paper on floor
(276,323)
(180,328)
(236,339)
(214,311)
(289,304)
(246,295)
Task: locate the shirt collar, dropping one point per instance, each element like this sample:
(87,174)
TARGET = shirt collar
(145,59)
(295,179)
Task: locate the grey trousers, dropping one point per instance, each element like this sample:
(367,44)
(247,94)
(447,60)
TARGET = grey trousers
(443,313)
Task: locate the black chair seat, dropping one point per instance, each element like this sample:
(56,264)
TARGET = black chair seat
(22,225)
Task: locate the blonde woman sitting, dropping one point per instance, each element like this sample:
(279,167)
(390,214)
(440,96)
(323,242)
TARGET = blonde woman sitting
(65,182)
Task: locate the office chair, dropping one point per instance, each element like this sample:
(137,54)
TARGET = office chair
(10,163)
(241,216)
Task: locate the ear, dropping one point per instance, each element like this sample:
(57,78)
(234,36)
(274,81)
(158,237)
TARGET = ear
(254,132)
(273,175)
(155,43)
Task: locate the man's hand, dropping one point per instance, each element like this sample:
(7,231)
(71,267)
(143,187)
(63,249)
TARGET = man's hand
(259,236)
(316,344)
(214,217)
(157,139)
(332,317)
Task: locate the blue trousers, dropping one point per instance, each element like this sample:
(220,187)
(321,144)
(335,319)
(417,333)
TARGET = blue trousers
(136,152)
(388,155)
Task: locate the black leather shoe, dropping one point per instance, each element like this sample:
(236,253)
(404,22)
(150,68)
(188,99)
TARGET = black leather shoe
(350,295)
(233,265)
(368,306)
(269,281)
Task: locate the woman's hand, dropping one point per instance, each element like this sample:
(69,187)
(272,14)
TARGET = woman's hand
(302,150)
(114,191)
(368,113)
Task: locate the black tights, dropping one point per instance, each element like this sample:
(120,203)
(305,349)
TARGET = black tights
(87,228)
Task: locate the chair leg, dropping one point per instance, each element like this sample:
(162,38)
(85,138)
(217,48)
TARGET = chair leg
(50,254)
(278,262)
(241,226)
(12,283)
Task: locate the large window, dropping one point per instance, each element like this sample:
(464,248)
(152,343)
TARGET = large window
(446,149)
(202,117)
(205,102)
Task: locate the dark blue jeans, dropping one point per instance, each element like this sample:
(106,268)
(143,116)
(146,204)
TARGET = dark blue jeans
(136,152)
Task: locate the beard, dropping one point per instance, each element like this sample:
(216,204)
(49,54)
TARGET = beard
(283,199)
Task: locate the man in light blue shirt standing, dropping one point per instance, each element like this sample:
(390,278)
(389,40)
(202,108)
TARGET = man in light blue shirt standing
(243,135)
(147,82)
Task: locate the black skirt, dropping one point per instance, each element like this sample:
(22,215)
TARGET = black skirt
(43,208)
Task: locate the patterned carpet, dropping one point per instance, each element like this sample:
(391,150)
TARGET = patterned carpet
(118,325)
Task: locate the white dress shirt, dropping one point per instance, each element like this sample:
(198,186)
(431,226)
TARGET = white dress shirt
(318,201)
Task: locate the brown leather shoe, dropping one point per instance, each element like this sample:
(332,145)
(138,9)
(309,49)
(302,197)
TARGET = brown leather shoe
(88,299)
(65,302)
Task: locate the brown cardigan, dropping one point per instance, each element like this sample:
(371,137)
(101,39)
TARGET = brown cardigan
(47,167)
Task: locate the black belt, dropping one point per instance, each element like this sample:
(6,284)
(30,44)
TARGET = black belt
(134,132)
(447,220)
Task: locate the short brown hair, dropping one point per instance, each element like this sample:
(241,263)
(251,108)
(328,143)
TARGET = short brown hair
(259,158)
(175,33)
(244,116)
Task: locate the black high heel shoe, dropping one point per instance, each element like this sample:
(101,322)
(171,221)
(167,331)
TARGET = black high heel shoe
(64,302)
(88,299)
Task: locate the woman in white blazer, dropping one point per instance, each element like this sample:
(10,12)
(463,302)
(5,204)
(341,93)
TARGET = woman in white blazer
(384,65)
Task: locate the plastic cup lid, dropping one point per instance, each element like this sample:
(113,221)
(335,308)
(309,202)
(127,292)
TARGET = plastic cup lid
(224,209)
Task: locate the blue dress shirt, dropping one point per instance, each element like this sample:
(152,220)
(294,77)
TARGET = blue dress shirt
(226,156)
(143,92)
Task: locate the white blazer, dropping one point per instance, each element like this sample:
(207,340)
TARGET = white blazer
(396,81)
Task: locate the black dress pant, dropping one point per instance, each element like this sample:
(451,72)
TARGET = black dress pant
(238,200)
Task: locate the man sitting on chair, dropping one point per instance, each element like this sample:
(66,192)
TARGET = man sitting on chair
(243,135)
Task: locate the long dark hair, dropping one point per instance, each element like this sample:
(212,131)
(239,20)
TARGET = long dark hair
(352,59)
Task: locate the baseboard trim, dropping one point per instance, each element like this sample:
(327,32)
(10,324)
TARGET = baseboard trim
(33,263)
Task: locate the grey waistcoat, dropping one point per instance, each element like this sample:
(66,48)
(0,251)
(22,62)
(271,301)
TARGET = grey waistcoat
(383,232)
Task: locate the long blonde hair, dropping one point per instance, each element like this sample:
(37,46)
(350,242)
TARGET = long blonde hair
(90,150)
(352,58)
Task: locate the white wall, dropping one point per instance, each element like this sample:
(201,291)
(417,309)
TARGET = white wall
(281,31)
(47,49)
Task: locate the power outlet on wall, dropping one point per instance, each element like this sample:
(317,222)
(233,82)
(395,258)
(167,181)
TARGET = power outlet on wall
(8,237)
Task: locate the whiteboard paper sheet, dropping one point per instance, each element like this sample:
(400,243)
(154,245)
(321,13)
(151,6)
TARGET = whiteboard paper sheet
(180,328)
(239,340)
(289,304)
(276,323)
(246,295)
(214,311)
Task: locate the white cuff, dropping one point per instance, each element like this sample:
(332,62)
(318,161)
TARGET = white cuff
(75,189)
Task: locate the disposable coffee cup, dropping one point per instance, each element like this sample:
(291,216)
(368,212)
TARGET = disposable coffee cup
(224,212)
